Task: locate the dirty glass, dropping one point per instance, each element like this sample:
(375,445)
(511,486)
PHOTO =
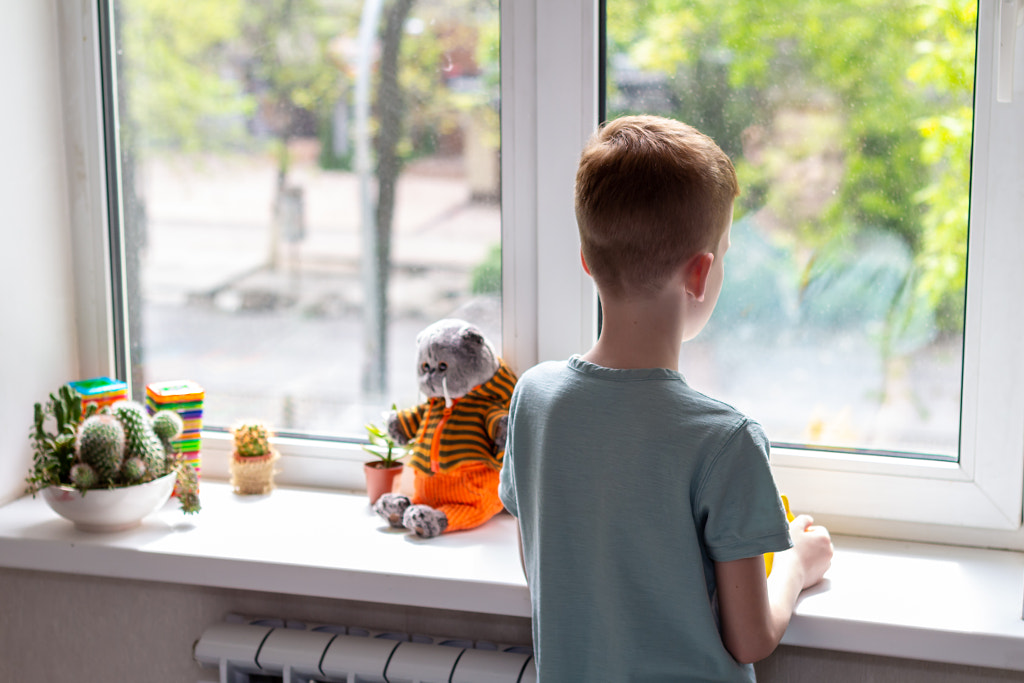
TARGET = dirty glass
(840,325)
(304,185)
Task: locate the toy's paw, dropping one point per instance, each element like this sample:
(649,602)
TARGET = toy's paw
(391,506)
(394,426)
(424,521)
(501,433)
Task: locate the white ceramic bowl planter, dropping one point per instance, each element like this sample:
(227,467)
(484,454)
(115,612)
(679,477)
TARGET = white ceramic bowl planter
(110,509)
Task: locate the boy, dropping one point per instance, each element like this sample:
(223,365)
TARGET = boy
(644,506)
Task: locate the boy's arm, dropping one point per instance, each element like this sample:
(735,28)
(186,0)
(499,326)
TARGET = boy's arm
(755,612)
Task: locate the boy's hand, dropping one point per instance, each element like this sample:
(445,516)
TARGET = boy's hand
(812,550)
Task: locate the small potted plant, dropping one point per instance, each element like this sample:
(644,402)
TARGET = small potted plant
(382,472)
(105,469)
(252,462)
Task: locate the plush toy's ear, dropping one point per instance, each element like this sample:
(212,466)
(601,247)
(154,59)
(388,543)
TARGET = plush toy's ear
(474,335)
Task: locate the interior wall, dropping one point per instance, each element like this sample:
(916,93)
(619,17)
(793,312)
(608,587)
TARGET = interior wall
(806,665)
(63,628)
(37,342)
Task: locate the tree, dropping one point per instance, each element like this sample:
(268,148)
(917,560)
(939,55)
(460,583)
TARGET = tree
(390,112)
(413,107)
(896,75)
(166,97)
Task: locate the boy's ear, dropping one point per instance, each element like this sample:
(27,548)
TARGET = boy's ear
(583,260)
(695,274)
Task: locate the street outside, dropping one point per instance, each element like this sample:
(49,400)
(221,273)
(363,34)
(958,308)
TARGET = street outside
(284,343)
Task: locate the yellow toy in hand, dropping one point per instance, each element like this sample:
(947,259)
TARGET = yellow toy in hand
(770,557)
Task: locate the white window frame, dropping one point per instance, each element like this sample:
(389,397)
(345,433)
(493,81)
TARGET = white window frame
(983,489)
(549,108)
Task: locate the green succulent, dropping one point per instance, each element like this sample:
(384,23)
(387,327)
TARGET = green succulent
(100,444)
(167,425)
(252,439)
(140,439)
(118,446)
(133,470)
(53,433)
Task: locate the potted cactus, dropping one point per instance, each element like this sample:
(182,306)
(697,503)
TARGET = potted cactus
(83,459)
(382,472)
(252,462)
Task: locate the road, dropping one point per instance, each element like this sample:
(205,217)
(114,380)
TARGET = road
(285,343)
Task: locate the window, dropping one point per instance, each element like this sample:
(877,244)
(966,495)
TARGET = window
(976,478)
(549,64)
(840,325)
(303,186)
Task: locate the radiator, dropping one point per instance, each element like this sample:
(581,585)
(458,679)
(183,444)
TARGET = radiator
(252,649)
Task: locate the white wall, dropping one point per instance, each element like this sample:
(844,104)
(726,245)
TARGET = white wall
(61,628)
(37,332)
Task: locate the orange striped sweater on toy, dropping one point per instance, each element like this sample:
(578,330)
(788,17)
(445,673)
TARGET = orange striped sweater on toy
(457,435)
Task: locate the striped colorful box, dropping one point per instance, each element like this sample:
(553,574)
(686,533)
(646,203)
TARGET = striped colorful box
(100,391)
(184,397)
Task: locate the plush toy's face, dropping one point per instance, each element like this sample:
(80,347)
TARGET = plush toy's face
(455,353)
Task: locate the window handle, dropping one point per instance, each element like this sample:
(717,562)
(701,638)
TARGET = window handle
(1011,16)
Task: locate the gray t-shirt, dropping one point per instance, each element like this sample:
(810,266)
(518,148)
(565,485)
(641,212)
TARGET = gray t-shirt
(628,486)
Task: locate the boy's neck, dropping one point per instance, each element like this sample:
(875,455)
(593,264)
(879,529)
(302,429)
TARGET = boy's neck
(639,333)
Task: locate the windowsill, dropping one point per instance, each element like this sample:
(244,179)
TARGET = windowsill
(911,600)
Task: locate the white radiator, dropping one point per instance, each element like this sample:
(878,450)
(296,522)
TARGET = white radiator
(247,650)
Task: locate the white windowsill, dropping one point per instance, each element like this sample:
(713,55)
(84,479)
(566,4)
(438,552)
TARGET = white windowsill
(912,600)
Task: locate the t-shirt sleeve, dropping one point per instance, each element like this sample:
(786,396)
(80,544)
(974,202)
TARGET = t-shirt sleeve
(737,504)
(507,482)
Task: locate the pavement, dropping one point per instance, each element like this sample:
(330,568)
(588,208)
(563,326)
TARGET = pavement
(273,329)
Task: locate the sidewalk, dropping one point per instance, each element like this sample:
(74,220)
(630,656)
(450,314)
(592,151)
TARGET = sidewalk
(209,236)
(286,343)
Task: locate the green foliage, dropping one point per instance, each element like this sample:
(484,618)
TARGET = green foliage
(54,427)
(896,78)
(175,98)
(945,64)
(382,445)
(486,277)
(291,62)
(328,159)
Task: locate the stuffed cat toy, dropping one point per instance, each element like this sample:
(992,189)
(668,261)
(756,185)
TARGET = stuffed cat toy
(457,435)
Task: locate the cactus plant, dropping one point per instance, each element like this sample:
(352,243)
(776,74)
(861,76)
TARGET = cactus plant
(83,476)
(140,439)
(132,470)
(118,446)
(100,444)
(252,439)
(167,425)
(252,465)
(54,452)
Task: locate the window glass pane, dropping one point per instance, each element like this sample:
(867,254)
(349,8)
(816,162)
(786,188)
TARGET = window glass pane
(305,185)
(849,121)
